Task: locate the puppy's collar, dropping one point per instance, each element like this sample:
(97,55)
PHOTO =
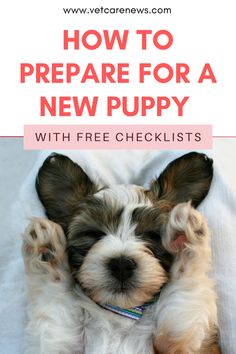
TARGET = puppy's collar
(134,313)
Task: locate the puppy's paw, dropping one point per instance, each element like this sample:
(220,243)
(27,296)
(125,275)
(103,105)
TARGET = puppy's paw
(44,246)
(186,227)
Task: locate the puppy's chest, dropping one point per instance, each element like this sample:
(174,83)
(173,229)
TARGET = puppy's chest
(111,333)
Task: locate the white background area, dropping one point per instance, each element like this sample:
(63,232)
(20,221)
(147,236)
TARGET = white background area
(203,31)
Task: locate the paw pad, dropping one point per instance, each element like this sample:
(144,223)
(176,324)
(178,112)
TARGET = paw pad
(44,242)
(47,257)
(33,234)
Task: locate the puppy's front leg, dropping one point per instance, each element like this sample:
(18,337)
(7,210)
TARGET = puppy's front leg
(186,312)
(53,311)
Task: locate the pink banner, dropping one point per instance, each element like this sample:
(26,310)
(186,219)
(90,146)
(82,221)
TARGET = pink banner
(162,137)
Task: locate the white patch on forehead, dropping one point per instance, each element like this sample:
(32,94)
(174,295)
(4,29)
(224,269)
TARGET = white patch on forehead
(123,195)
(113,246)
(127,197)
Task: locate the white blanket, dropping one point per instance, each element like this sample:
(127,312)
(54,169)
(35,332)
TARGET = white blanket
(109,167)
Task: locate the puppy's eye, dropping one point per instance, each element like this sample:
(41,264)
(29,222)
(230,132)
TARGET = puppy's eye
(80,245)
(152,235)
(149,251)
(96,234)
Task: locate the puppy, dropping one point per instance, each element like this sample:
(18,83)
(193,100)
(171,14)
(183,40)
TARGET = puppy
(121,269)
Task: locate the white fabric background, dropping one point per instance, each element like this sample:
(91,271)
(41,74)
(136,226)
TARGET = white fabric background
(137,167)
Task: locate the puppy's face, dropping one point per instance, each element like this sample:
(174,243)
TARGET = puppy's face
(115,248)
(115,234)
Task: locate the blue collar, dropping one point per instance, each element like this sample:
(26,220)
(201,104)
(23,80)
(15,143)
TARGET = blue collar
(135,313)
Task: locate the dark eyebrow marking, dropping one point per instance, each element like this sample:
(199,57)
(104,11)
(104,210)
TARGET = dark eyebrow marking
(146,219)
(90,233)
(96,214)
(138,213)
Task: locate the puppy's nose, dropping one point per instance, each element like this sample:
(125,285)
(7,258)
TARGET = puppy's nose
(122,268)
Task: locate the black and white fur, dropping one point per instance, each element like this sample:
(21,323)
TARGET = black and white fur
(121,245)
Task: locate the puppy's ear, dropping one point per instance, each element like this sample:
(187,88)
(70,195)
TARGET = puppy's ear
(60,184)
(186,178)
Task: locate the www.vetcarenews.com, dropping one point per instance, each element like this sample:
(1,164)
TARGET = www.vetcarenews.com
(117,10)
